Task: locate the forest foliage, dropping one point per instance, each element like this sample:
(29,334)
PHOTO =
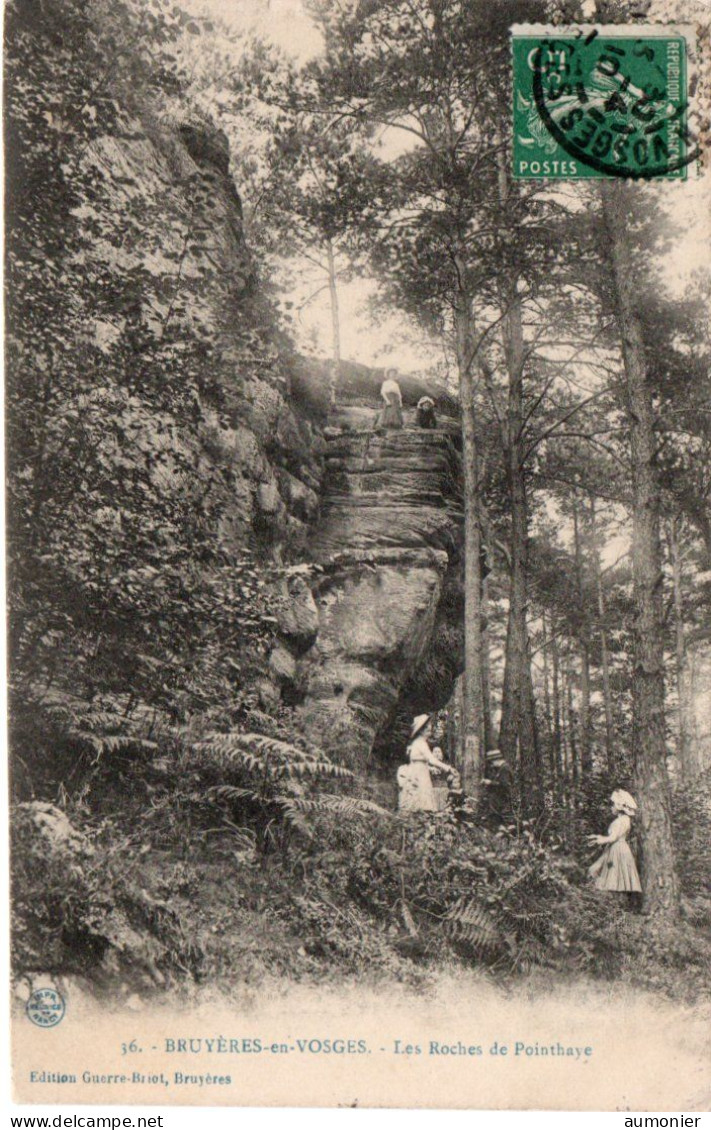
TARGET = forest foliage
(128,600)
(141,621)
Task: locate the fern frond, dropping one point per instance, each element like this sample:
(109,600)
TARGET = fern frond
(101,744)
(297,809)
(294,816)
(470,922)
(258,753)
(347,806)
(230,793)
(95,728)
(319,769)
(102,719)
(240,839)
(75,713)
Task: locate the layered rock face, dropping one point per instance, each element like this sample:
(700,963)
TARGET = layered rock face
(388,542)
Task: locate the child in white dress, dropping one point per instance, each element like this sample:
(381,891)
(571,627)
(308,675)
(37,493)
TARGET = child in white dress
(615,869)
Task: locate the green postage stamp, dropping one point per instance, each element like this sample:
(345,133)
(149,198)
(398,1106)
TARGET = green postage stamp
(595,101)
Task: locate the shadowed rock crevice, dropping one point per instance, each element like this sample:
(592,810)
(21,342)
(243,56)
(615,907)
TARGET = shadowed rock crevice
(431,685)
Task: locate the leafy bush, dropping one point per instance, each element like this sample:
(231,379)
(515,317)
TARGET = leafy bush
(508,902)
(692,834)
(352,891)
(491,895)
(278,779)
(76,910)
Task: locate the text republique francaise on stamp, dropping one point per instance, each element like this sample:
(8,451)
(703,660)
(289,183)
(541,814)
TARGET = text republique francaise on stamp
(602,102)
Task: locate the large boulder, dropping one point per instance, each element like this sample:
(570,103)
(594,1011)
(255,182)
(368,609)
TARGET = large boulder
(50,827)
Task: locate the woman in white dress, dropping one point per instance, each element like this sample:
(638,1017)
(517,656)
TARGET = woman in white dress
(414,780)
(391,415)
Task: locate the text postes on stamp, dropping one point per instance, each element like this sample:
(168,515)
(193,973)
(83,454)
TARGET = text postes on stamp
(601,102)
(46,1008)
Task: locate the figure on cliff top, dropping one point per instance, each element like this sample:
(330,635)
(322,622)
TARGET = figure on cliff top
(416,793)
(391,415)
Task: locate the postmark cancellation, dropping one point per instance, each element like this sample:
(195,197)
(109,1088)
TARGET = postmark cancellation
(603,101)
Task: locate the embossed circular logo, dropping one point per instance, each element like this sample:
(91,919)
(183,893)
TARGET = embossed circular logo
(46,1008)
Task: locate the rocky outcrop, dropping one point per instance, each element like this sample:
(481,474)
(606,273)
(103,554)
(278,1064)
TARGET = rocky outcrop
(108,923)
(388,544)
(257,433)
(378,515)
(393,490)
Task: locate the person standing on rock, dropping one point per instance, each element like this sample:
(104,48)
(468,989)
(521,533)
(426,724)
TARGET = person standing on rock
(426,416)
(391,415)
(414,780)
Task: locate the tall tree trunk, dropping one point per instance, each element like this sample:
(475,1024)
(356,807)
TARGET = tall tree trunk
(461,714)
(335,322)
(472,762)
(569,749)
(556,705)
(508,737)
(546,675)
(488,727)
(518,723)
(585,736)
(528,740)
(661,888)
(604,648)
(683,743)
(453,727)
(586,760)
(571,729)
(547,702)
(565,731)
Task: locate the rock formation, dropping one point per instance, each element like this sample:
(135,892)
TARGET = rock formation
(377,515)
(388,542)
(266,438)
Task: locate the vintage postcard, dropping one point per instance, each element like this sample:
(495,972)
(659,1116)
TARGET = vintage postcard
(358,447)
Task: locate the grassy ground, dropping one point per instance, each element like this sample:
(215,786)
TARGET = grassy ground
(157,899)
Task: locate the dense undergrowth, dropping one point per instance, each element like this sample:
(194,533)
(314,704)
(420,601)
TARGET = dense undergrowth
(156,852)
(234,859)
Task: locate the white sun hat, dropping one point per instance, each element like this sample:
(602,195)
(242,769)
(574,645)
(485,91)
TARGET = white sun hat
(419,723)
(624,802)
